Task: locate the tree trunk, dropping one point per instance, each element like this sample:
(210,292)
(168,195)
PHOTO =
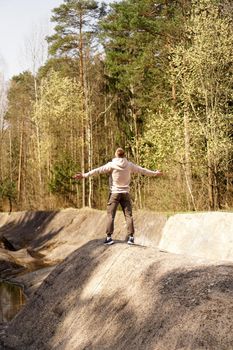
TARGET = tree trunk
(81,72)
(88,113)
(40,189)
(19,185)
(138,195)
(187,165)
(210,186)
(10,156)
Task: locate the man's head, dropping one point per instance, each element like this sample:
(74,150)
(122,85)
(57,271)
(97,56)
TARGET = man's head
(120,153)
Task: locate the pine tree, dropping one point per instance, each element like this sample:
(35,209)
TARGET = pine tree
(137,36)
(75,36)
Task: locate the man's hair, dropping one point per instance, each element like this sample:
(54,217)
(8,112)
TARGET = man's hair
(120,153)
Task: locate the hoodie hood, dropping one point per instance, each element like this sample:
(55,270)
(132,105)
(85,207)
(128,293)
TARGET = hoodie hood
(120,162)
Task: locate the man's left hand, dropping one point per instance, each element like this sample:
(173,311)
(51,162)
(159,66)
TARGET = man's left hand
(78,176)
(159,173)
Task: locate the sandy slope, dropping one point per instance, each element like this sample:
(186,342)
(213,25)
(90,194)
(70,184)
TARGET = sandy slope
(48,237)
(119,297)
(128,297)
(208,235)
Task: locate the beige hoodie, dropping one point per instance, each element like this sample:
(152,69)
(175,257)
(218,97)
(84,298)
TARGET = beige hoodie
(120,170)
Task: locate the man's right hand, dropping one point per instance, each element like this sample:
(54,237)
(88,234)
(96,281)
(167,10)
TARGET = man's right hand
(78,176)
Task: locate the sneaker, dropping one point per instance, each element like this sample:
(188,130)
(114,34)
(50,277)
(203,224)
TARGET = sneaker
(131,240)
(108,240)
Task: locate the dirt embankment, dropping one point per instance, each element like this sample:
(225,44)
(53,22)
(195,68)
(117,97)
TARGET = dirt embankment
(32,243)
(208,235)
(123,297)
(85,295)
(54,235)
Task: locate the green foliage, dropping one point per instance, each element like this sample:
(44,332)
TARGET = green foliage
(60,100)
(160,86)
(20,96)
(137,36)
(163,140)
(75,20)
(58,114)
(65,66)
(201,75)
(8,191)
(61,182)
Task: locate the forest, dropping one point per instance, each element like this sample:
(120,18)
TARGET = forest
(151,76)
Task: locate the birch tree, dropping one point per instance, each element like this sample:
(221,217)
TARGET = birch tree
(19,128)
(202,69)
(7,186)
(201,72)
(58,115)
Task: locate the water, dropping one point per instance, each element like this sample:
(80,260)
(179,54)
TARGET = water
(11,301)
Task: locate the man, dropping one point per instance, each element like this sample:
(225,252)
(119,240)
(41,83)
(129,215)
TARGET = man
(120,170)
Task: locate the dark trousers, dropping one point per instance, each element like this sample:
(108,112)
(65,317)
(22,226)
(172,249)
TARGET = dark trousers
(124,200)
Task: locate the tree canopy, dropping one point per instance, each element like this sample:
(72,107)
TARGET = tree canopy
(152,77)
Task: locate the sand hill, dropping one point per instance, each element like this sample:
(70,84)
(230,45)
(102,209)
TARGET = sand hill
(120,297)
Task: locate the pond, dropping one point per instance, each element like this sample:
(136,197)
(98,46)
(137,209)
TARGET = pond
(11,300)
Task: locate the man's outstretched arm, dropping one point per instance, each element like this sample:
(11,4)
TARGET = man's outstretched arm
(140,170)
(104,169)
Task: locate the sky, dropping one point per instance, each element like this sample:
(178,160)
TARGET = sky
(23,27)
